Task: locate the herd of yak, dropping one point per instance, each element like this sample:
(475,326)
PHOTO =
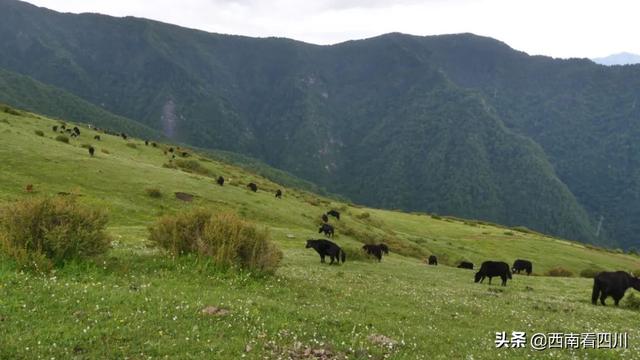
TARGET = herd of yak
(605,283)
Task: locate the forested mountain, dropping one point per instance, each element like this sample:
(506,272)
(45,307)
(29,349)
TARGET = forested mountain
(455,124)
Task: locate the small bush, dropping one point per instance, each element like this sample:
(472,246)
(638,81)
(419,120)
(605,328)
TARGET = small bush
(357,254)
(224,238)
(436,217)
(9,110)
(132,145)
(632,301)
(559,272)
(42,233)
(63,138)
(364,215)
(509,233)
(154,193)
(85,146)
(105,151)
(192,166)
(590,272)
(39,132)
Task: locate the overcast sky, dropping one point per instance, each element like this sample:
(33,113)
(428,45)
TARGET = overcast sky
(559,28)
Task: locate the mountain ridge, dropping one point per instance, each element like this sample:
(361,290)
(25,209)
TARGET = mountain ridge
(328,114)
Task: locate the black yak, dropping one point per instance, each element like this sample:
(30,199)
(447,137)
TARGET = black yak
(279,194)
(376,250)
(154,144)
(76,130)
(334,213)
(55,128)
(91,150)
(614,284)
(520,265)
(465,265)
(433,260)
(326,229)
(325,218)
(124,136)
(253,187)
(96,137)
(493,268)
(327,248)
(220,180)
(146,142)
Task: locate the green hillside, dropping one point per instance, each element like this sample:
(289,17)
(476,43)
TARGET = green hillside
(137,302)
(458,125)
(26,93)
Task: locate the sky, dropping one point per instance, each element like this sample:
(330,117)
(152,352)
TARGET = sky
(558,28)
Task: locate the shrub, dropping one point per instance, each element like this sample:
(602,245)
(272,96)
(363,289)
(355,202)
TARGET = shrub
(590,272)
(105,151)
(39,132)
(357,254)
(436,217)
(192,166)
(632,301)
(9,110)
(85,146)
(559,272)
(509,233)
(132,145)
(42,233)
(154,193)
(63,138)
(364,215)
(224,238)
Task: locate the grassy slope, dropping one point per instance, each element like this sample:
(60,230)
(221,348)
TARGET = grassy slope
(138,303)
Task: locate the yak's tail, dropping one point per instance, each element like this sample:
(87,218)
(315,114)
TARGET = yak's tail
(344,256)
(595,292)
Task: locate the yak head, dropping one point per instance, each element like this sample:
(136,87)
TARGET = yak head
(635,283)
(309,244)
(478,276)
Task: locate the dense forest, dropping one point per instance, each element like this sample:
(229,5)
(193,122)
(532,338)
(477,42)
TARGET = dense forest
(457,124)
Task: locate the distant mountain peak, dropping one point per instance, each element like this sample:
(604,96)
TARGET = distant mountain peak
(623,58)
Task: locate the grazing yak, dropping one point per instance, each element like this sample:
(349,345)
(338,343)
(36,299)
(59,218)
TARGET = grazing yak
(327,248)
(124,136)
(76,130)
(522,265)
(376,250)
(279,194)
(96,137)
(91,150)
(326,229)
(55,128)
(154,144)
(220,180)
(334,213)
(433,260)
(325,218)
(465,265)
(614,284)
(253,187)
(493,268)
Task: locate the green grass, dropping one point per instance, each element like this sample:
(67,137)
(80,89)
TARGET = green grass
(137,302)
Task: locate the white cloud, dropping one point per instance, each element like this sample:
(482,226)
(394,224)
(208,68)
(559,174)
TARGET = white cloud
(567,28)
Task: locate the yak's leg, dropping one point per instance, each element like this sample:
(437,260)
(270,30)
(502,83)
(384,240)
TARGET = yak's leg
(603,295)
(322,258)
(490,277)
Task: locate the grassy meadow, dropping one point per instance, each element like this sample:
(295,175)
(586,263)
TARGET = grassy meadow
(137,302)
